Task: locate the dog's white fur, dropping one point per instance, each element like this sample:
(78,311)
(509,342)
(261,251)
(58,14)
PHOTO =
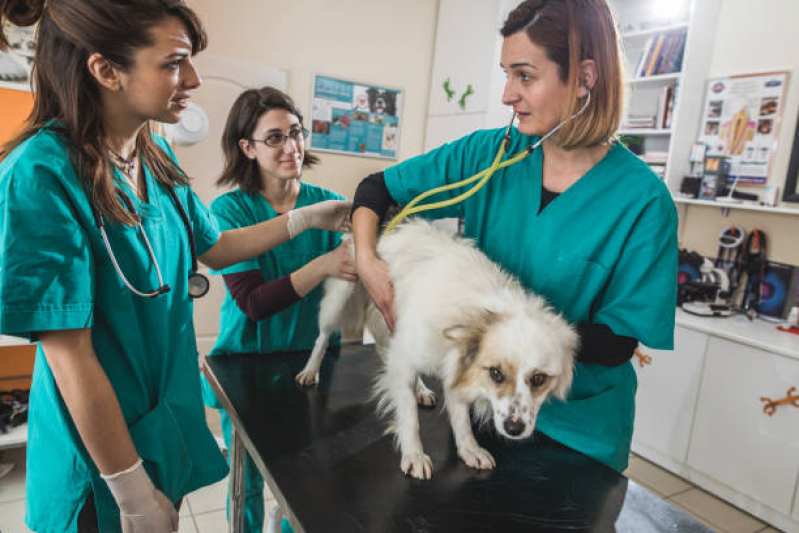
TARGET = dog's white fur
(461,318)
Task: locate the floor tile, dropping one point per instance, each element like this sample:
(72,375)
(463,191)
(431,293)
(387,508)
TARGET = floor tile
(12,485)
(213,419)
(214,522)
(185,508)
(718,513)
(211,498)
(654,478)
(12,517)
(768,530)
(186,525)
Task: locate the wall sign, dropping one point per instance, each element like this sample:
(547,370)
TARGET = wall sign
(355,118)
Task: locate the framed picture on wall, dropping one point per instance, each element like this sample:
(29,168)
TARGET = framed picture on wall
(16,63)
(791,191)
(355,118)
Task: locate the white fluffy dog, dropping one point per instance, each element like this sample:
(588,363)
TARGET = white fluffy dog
(461,318)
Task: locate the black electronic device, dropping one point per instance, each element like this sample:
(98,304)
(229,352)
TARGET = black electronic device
(690,186)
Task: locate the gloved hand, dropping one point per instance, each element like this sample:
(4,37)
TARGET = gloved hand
(142,507)
(333,215)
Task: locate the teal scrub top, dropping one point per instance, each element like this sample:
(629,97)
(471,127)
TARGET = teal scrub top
(604,251)
(55,273)
(294,328)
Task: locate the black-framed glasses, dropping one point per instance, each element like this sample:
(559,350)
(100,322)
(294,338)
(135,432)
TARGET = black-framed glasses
(277,140)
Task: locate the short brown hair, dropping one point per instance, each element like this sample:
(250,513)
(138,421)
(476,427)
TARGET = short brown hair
(248,108)
(571,31)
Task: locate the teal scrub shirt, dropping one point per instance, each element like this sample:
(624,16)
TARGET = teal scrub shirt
(604,252)
(292,329)
(296,327)
(55,273)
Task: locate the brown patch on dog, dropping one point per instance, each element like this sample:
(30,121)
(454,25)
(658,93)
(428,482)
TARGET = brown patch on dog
(544,389)
(468,339)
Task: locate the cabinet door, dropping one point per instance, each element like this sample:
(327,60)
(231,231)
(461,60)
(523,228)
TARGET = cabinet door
(466,39)
(667,391)
(734,441)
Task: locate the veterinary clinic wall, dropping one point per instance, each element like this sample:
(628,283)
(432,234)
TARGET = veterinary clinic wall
(384,42)
(751,39)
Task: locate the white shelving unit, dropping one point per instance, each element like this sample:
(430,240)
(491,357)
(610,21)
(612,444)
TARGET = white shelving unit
(638,22)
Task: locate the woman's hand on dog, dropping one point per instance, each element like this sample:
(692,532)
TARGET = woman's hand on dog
(374,275)
(340,264)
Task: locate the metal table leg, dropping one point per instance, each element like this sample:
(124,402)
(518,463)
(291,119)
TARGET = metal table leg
(236,491)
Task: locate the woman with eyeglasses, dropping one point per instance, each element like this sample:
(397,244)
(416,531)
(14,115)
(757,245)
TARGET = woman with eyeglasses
(99,235)
(272,301)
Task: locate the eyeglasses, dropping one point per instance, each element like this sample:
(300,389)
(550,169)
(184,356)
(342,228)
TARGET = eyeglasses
(276,140)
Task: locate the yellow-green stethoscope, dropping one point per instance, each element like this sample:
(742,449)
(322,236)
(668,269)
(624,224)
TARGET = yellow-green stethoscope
(484,175)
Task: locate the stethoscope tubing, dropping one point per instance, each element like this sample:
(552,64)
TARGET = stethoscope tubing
(483,175)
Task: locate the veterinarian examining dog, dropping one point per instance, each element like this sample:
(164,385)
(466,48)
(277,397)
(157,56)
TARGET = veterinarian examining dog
(581,221)
(99,237)
(272,301)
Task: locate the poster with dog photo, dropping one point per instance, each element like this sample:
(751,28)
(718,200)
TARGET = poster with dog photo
(355,118)
(17,61)
(740,120)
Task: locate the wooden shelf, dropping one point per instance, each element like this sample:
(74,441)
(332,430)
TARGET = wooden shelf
(746,206)
(655,31)
(15,438)
(660,78)
(644,131)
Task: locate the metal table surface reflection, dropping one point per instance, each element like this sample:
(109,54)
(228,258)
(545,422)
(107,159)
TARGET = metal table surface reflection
(326,458)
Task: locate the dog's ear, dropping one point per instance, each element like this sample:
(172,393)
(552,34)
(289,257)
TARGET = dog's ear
(467,336)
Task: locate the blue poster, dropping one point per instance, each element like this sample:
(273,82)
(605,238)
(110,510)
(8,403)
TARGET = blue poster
(355,118)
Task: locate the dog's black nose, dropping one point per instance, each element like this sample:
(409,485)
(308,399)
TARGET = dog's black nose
(513,427)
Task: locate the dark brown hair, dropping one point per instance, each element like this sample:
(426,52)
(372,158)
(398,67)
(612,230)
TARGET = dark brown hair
(66,95)
(571,31)
(248,108)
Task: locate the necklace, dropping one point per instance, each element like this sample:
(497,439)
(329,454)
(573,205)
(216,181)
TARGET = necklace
(126,165)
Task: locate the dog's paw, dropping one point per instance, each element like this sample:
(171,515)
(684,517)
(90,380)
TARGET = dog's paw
(424,396)
(417,465)
(477,457)
(307,378)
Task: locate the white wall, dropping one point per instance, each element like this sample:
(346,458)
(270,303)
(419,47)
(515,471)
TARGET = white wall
(755,37)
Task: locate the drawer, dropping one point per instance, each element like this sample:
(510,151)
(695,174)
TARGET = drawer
(734,441)
(668,384)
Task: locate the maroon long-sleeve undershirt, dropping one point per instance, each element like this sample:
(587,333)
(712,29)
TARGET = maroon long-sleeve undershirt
(257,298)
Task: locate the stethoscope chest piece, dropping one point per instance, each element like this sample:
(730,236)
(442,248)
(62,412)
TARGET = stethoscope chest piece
(199,284)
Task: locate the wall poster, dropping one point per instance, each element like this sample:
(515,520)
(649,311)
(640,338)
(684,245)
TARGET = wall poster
(741,120)
(355,118)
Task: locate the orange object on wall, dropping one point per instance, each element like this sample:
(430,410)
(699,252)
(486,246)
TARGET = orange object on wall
(16,366)
(15,106)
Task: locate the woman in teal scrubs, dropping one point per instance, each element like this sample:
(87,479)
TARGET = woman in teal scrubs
(581,221)
(117,433)
(272,301)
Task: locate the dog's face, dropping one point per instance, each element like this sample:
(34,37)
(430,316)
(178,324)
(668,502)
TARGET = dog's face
(515,362)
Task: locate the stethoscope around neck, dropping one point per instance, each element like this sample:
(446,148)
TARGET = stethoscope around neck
(198,283)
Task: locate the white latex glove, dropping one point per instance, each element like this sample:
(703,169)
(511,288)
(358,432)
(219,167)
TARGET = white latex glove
(333,215)
(142,507)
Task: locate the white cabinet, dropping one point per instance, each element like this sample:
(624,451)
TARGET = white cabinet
(666,397)
(733,440)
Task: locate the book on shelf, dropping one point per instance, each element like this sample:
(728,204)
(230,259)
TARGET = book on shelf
(639,122)
(661,54)
(665,107)
(655,158)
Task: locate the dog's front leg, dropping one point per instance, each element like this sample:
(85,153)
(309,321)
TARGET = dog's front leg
(414,461)
(472,453)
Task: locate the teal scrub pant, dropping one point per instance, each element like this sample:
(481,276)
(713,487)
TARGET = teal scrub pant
(253,490)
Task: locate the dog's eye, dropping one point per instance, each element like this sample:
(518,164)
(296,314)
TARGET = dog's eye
(538,379)
(496,375)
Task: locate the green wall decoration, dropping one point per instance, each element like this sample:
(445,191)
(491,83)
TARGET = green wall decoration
(450,92)
(465,95)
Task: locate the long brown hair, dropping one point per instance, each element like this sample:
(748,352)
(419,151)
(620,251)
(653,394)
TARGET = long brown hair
(66,94)
(248,108)
(571,31)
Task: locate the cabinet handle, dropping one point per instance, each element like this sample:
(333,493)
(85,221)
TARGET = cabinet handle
(643,359)
(771,405)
